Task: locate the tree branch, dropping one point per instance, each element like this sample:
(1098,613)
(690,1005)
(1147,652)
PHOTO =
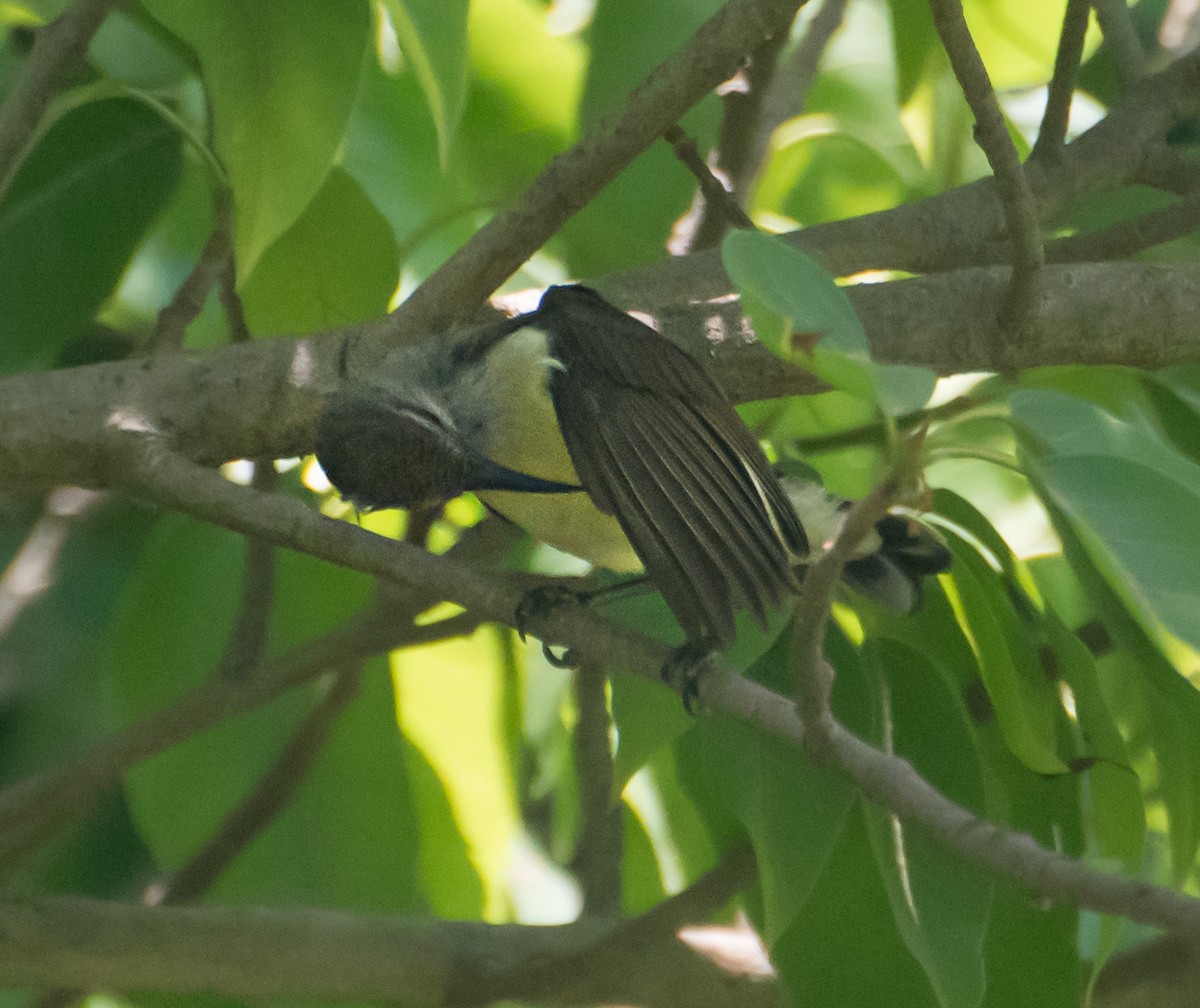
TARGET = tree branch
(597,861)
(961,227)
(573,178)
(1053,131)
(885,779)
(788,93)
(248,639)
(1119,33)
(262,399)
(1024,297)
(259,952)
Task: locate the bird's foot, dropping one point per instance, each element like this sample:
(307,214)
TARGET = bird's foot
(541,602)
(685,669)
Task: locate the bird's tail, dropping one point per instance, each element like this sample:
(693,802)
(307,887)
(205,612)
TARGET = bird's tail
(894,574)
(892,564)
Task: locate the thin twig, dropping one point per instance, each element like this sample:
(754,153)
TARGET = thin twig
(59,49)
(1016,198)
(788,93)
(1053,131)
(227,289)
(812,674)
(597,860)
(742,98)
(1116,22)
(718,201)
(248,641)
(572,179)
(170,328)
(263,805)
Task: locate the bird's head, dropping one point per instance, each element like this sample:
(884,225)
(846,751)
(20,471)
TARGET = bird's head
(383,452)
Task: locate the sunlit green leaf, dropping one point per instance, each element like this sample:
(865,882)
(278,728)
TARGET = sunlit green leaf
(433,37)
(446,696)
(281,79)
(1016,38)
(334,266)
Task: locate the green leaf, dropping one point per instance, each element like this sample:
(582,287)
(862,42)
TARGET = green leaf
(1017,39)
(1024,698)
(647,718)
(792,811)
(941,905)
(682,844)
(347,838)
(1138,525)
(1151,699)
(68,225)
(915,40)
(627,39)
(52,645)
(782,283)
(336,265)
(447,695)
(433,37)
(1129,494)
(796,287)
(281,79)
(1063,425)
(844,949)
(1114,812)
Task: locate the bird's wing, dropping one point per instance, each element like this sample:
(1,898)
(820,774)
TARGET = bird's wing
(657,445)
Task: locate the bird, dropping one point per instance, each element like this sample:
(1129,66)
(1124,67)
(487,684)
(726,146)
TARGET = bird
(601,437)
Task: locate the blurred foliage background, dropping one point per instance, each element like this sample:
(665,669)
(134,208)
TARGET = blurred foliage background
(1046,682)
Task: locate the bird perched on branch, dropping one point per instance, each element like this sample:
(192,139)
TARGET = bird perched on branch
(601,437)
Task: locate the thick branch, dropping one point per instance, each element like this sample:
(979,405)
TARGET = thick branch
(257,952)
(965,225)
(262,399)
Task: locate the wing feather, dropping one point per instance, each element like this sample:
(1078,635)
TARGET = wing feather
(657,445)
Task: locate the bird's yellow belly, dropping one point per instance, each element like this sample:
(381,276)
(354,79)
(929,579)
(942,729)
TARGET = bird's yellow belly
(569,522)
(525,438)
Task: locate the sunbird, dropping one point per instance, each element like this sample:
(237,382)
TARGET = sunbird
(601,437)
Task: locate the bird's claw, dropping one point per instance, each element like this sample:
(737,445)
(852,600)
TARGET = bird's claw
(684,671)
(540,602)
(566,660)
